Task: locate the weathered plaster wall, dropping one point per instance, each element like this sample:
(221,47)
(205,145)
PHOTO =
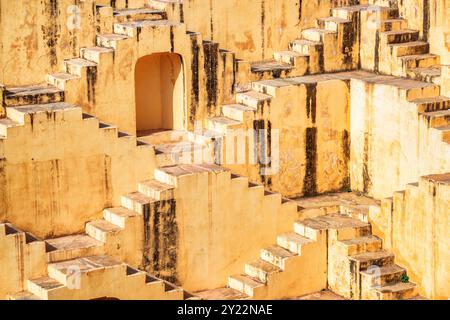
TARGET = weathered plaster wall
(67,171)
(414,225)
(389,137)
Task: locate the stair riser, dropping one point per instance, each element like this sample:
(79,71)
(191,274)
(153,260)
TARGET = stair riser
(62,255)
(140,16)
(381,280)
(429,107)
(289,245)
(385,261)
(420,63)
(34,99)
(97,233)
(393,26)
(256,273)
(411,50)
(400,38)
(156,194)
(350,250)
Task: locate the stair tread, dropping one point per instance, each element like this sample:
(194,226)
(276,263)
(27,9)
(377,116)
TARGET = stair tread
(140,197)
(221,294)
(295,237)
(23,295)
(333,221)
(360,240)
(31,90)
(279,252)
(368,256)
(382,271)
(434,71)
(157,185)
(86,264)
(48,107)
(402,31)
(308,42)
(149,23)
(239,107)
(248,281)
(73,242)
(123,212)
(265,266)
(395,287)
(99,49)
(319,30)
(224,120)
(269,65)
(255,95)
(113,36)
(418,56)
(408,44)
(105,226)
(437,114)
(292,54)
(335,19)
(436,99)
(8,122)
(64,76)
(128,11)
(81,62)
(47,283)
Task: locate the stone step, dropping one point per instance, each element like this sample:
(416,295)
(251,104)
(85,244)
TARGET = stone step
(156,190)
(221,294)
(419,61)
(35,94)
(367,259)
(380,276)
(102,230)
(359,245)
(63,271)
(72,247)
(316,34)
(238,112)
(138,202)
(412,90)
(32,114)
(96,53)
(306,46)
(80,67)
(61,79)
(430,74)
(126,15)
(393,24)
(44,287)
(409,48)
(270,87)
(246,284)
(437,119)
(261,270)
(396,291)
(432,104)
(293,58)
(347,12)
(332,23)
(223,124)
(253,99)
(132,29)
(119,216)
(445,133)
(293,242)
(277,256)
(272,68)
(6,124)
(23,295)
(399,36)
(170,174)
(110,40)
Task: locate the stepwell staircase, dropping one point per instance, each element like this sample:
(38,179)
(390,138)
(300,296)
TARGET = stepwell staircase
(335,244)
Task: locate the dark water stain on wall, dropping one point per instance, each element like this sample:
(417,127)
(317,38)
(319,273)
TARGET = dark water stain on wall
(346,155)
(263,31)
(195,87)
(426,19)
(300,11)
(311,101)
(211,63)
(51,30)
(310,179)
(91,74)
(181,8)
(376,66)
(366,174)
(161,240)
(172,40)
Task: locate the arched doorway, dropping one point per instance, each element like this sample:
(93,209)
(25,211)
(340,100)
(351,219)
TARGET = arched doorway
(159,85)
